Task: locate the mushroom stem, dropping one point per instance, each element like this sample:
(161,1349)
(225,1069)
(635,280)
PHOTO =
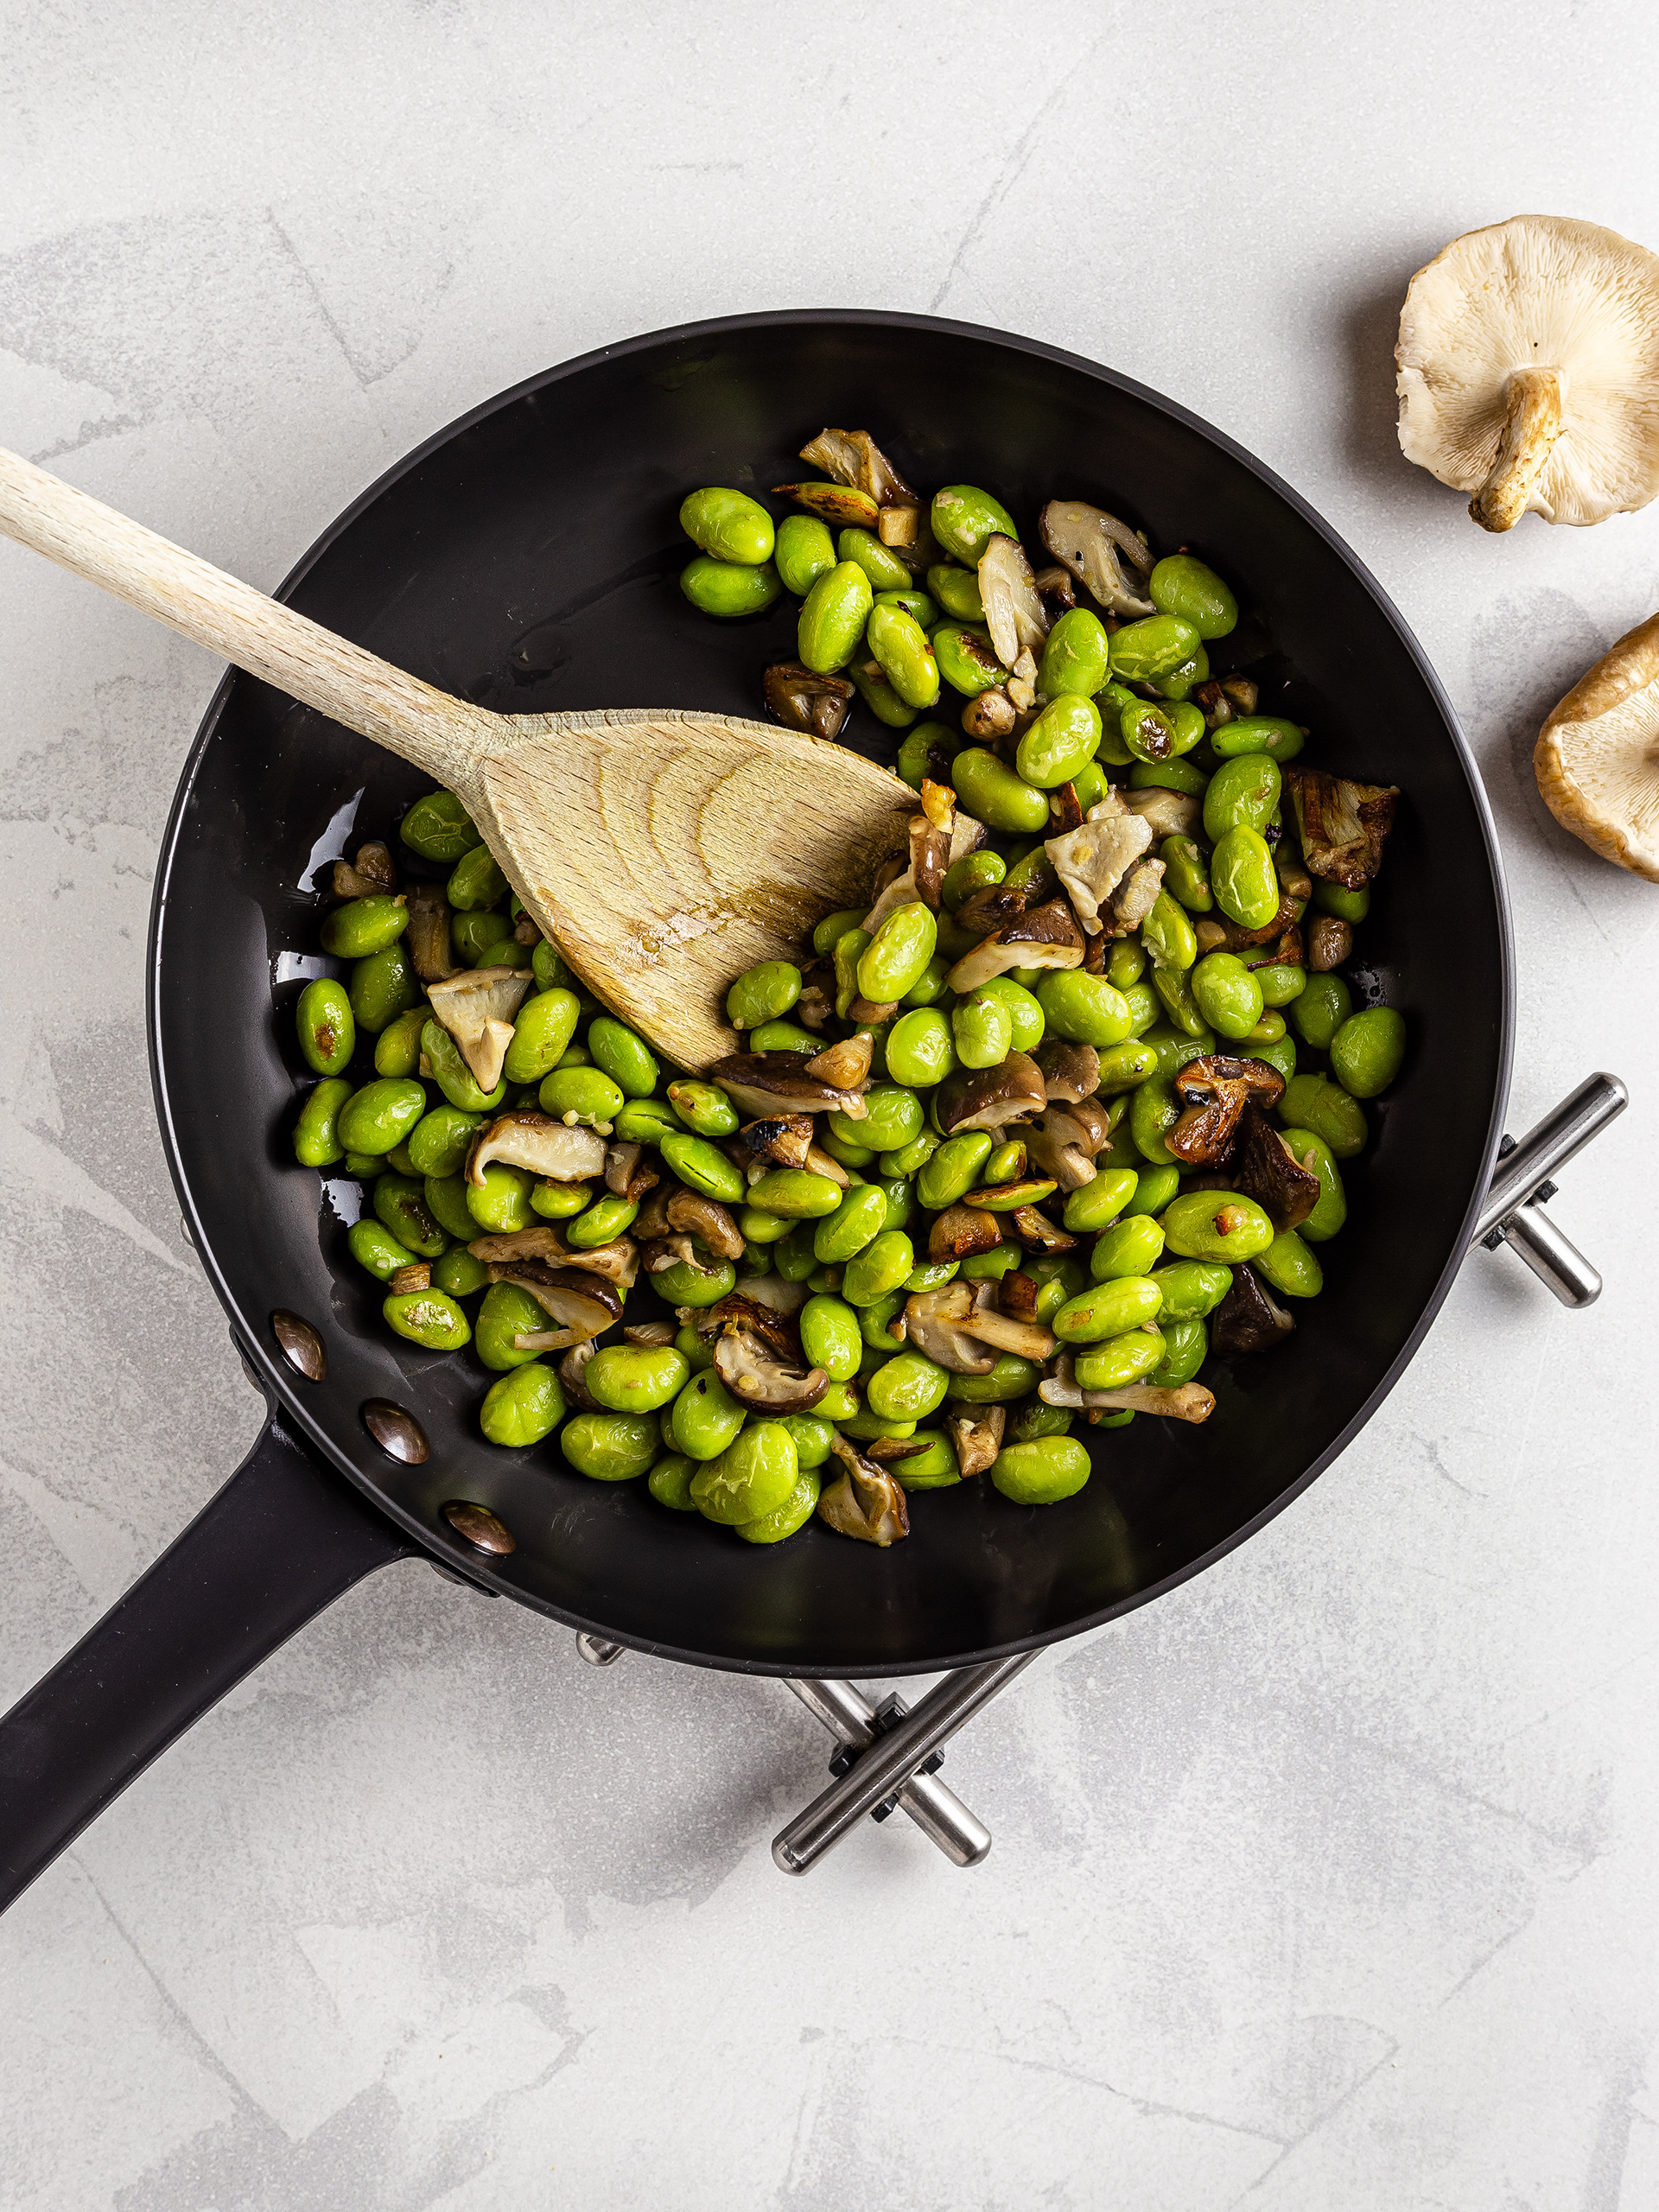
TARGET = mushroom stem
(1532,419)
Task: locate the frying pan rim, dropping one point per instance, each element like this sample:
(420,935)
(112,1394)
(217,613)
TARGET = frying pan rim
(250,1334)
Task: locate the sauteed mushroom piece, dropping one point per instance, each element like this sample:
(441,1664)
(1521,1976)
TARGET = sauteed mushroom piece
(1064,1141)
(617,1261)
(477,1008)
(780,1141)
(800,699)
(774,1291)
(1091,861)
(778,1082)
(865,1501)
(1341,824)
(961,1231)
(626,1173)
(988,1098)
(853,457)
(652,1336)
(371,872)
(1250,1317)
(930,856)
(1330,943)
(845,1066)
(1215,1090)
(583,1305)
(937,1326)
(1191,1402)
(989,715)
(1070,1072)
(1167,814)
(1043,937)
(1037,1232)
(428,934)
(756,1359)
(1014,609)
(526,1138)
(572,1368)
(1087,541)
(1264,1168)
(1137,896)
(975,1435)
(707,1220)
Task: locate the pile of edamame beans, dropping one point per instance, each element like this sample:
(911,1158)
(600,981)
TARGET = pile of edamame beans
(1120,1274)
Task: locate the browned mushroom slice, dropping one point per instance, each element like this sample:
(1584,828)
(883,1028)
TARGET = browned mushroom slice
(817,1003)
(846,1064)
(1070,1072)
(1065,810)
(1215,1090)
(939,805)
(1137,896)
(777,1083)
(1091,861)
(1341,824)
(865,1501)
(820,1162)
(1064,1141)
(1004,1331)
(1250,1317)
(626,1173)
(930,856)
(780,1140)
(991,907)
(1043,937)
(760,1373)
(776,1293)
(900,527)
(989,1098)
(1013,608)
(1330,943)
(477,1008)
(1087,541)
(1016,1293)
(572,1368)
(371,873)
(936,1325)
(975,1434)
(1237,938)
(1266,1169)
(581,1304)
(1167,814)
(651,1336)
(842,506)
(524,1138)
(617,1261)
(853,457)
(960,1231)
(1189,1401)
(706,1219)
(800,699)
(428,934)
(658,1253)
(1037,1232)
(884,1450)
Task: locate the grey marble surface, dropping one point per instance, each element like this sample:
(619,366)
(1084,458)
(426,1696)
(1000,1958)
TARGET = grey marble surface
(1325,1884)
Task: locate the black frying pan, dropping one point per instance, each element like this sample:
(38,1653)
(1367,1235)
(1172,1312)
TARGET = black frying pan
(525,558)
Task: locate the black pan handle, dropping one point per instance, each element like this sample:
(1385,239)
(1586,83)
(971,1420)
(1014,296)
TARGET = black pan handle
(283,1540)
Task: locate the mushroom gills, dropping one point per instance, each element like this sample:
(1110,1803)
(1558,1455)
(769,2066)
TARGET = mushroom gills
(864,1501)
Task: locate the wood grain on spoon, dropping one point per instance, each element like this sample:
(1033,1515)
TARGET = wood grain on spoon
(664,851)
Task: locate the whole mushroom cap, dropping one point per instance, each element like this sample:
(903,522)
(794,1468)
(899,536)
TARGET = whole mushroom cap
(1528,360)
(1596,758)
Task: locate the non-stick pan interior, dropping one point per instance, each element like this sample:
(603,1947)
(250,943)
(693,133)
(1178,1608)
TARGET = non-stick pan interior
(527,560)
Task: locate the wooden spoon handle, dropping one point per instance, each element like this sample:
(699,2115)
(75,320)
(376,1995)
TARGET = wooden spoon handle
(441,734)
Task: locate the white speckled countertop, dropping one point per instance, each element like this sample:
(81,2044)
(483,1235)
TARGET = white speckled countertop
(1327,1883)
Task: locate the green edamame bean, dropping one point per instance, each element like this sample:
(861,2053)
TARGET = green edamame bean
(562,1201)
(762,1228)
(1257,733)
(1319,1010)
(604,1221)
(1037,1420)
(831,930)
(892,1119)
(703,1107)
(670,1480)
(1281,983)
(1187,879)
(878,1270)
(901,647)
(956,591)
(1125,963)
(850,948)
(397,1048)
(1153,647)
(645,1120)
(1187,1346)
(908,1387)
(438,828)
(1090,784)
(981,1029)
(704,1285)
(1064,737)
(974,871)
(541,1035)
(1132,1246)
(1222,1225)
(1005,1165)
(1330,1210)
(1167,936)
(1173,775)
(1126,1066)
(886,571)
(522,1408)
(459,1273)
(365,926)
(1191,1288)
(954,1169)
(1244,789)
(729,589)
(796,1510)
(1182,682)
(804,551)
(833,616)
(783,1037)
(849,1155)
(445,1201)
(752,1476)
(1289,1266)
(1347,905)
(967,659)
(430,1319)
(1154,1111)
(795,1193)
(915,603)
(1154,1189)
(1025,1011)
(400,1203)
(830,1337)
(1366,1052)
(920,1049)
(992,1266)
(1106,1308)
(857,1221)
(548,969)
(327,1030)
(1084,1007)
(1041,1471)
(898,953)
(452,1076)
(900,1196)
(869,679)
(1228,995)
(1120,1360)
(397,1159)
(933,1468)
(1157,735)
(793,1257)
(988,790)
(1269,1029)
(1096,1205)
(909,1159)
(1181,585)
(477,882)
(508,1311)
(623,1055)
(965,519)
(501,1203)
(611,1447)
(1279,1053)
(580,1097)
(372,1245)
(635,1378)
(1313,1102)
(1243,878)
(383,986)
(1174,1047)
(379,1116)
(728,525)
(1012,1377)
(696,1162)
(1075,656)
(473,938)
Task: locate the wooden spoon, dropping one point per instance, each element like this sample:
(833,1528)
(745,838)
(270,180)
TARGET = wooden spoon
(664,852)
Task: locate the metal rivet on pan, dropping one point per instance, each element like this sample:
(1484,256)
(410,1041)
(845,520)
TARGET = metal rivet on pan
(479,1526)
(399,1435)
(301,1346)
